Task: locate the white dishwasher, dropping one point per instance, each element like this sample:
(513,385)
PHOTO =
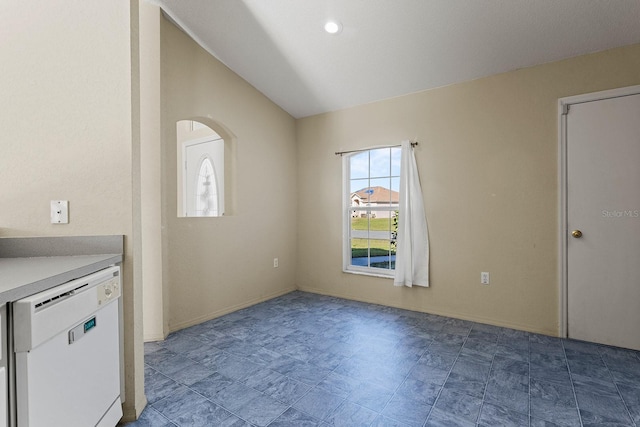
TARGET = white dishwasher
(67,354)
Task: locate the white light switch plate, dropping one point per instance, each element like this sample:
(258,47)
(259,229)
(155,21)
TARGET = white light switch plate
(59,212)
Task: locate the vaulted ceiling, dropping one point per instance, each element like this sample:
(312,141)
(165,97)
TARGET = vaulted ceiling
(388,48)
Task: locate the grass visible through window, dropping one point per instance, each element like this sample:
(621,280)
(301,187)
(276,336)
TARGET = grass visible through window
(359,248)
(378,247)
(376,224)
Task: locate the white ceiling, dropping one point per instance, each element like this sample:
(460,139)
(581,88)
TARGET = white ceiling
(389,48)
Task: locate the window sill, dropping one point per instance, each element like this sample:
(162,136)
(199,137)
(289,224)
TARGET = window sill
(368,273)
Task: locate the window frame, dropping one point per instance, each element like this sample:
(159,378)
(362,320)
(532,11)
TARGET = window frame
(347,209)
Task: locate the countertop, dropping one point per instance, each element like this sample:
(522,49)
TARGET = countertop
(29,265)
(21,277)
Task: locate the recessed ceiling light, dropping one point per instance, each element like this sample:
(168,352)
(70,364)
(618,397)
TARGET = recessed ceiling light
(333,27)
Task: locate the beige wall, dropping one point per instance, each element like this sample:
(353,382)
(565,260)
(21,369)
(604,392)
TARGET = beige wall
(216,265)
(66,120)
(155,326)
(488,165)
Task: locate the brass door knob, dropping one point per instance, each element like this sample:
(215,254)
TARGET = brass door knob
(576,233)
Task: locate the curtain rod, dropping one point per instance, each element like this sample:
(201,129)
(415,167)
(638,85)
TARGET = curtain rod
(340,153)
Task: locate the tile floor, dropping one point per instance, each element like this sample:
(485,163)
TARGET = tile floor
(310,360)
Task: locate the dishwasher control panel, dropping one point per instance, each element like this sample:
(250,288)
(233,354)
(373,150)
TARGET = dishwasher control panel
(109,290)
(39,317)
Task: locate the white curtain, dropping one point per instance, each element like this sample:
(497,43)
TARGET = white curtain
(412,249)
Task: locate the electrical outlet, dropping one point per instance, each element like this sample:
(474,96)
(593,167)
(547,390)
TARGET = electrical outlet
(275,263)
(484,278)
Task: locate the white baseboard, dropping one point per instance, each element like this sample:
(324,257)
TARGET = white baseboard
(444,313)
(153,338)
(227,310)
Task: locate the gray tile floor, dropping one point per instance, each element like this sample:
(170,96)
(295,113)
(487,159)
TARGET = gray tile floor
(310,360)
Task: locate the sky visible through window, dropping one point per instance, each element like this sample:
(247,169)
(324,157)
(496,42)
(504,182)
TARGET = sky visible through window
(376,168)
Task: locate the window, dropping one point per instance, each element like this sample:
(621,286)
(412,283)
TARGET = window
(206,197)
(371,194)
(203,191)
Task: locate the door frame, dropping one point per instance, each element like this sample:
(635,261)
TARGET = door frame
(564,104)
(185,145)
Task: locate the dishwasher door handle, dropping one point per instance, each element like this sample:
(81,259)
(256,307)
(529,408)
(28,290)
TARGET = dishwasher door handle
(81,330)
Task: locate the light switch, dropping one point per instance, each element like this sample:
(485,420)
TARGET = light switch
(59,212)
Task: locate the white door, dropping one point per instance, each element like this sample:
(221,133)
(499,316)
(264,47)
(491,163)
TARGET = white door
(603,221)
(203,190)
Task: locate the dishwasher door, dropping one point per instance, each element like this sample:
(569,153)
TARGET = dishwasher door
(67,354)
